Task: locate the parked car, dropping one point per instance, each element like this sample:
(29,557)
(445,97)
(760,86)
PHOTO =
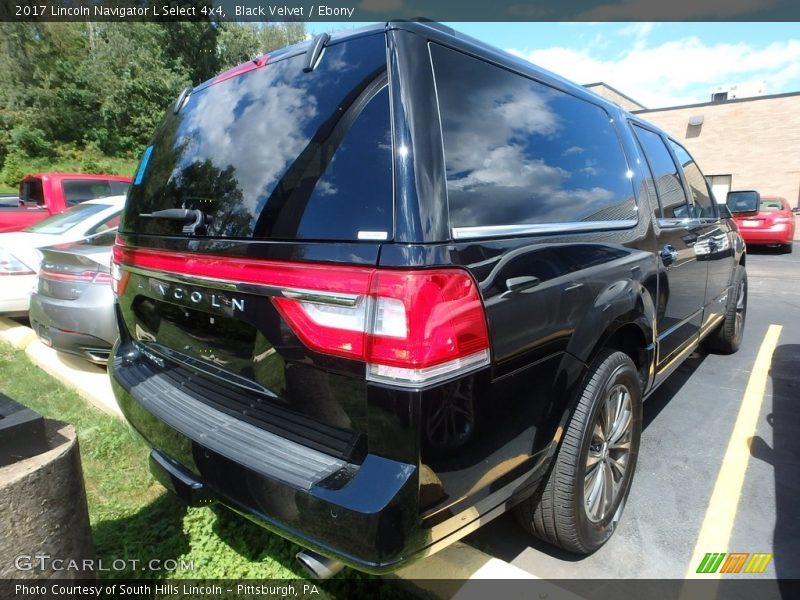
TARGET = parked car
(9,200)
(44,194)
(20,254)
(414,301)
(763,220)
(72,306)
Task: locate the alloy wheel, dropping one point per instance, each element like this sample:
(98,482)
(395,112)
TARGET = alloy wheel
(609,452)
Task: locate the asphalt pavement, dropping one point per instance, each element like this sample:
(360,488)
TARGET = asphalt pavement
(719,465)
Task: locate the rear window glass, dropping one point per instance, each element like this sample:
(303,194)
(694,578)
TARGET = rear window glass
(66,220)
(81,190)
(31,193)
(771,205)
(277,153)
(520,152)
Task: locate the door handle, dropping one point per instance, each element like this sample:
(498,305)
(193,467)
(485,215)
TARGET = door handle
(669,255)
(517,284)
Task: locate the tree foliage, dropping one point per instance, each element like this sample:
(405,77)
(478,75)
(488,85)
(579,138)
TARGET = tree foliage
(105,86)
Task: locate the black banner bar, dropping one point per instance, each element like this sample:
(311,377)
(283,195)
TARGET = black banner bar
(356,11)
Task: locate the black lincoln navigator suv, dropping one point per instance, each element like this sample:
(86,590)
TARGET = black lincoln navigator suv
(378,288)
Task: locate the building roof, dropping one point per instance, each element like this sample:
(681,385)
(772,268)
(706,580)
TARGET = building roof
(616,91)
(731,101)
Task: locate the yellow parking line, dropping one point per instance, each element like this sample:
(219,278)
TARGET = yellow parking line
(721,512)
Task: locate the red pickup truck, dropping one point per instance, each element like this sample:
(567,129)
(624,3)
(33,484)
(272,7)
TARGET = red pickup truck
(45,194)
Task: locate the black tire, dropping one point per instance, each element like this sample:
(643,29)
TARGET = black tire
(727,337)
(561,513)
(787,248)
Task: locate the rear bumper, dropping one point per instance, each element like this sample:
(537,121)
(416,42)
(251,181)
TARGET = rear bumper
(362,514)
(366,515)
(777,234)
(15,294)
(86,327)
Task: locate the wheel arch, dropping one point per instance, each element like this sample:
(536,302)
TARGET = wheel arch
(623,318)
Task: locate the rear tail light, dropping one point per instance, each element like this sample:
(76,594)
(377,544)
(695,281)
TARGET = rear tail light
(782,219)
(410,327)
(11,265)
(83,277)
(119,278)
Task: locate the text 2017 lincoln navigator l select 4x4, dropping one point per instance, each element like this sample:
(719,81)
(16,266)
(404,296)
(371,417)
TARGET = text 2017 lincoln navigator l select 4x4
(378,288)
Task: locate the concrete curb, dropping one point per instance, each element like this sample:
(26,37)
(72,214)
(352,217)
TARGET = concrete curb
(443,575)
(440,575)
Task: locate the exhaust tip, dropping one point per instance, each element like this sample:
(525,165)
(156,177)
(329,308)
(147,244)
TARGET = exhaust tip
(318,566)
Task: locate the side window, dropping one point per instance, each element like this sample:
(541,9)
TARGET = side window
(702,200)
(77,191)
(520,152)
(665,174)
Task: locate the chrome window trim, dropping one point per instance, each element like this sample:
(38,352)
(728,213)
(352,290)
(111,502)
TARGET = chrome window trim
(489,231)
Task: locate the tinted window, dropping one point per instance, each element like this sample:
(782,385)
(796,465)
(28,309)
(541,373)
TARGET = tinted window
(66,220)
(351,185)
(518,151)
(81,190)
(703,203)
(278,153)
(665,174)
(119,188)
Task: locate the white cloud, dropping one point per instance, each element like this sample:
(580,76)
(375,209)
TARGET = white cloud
(676,72)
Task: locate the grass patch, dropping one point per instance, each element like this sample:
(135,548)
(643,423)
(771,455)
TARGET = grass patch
(133,517)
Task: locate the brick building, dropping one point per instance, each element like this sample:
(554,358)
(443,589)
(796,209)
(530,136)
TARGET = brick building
(744,143)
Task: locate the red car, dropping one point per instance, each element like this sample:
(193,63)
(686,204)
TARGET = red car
(771,225)
(44,194)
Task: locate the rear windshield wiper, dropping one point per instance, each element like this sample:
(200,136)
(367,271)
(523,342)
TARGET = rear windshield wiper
(314,51)
(195,220)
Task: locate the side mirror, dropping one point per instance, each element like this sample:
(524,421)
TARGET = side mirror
(744,202)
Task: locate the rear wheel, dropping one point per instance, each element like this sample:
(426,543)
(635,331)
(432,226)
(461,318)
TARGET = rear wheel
(580,505)
(787,248)
(727,338)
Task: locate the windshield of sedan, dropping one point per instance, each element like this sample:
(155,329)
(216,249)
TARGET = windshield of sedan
(66,220)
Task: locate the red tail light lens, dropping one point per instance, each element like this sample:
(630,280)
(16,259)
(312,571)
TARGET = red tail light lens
(119,278)
(444,322)
(411,327)
(11,265)
(84,277)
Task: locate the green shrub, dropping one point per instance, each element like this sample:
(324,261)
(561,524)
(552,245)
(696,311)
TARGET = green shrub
(15,167)
(31,141)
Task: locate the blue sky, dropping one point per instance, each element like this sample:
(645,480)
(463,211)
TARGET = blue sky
(657,64)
